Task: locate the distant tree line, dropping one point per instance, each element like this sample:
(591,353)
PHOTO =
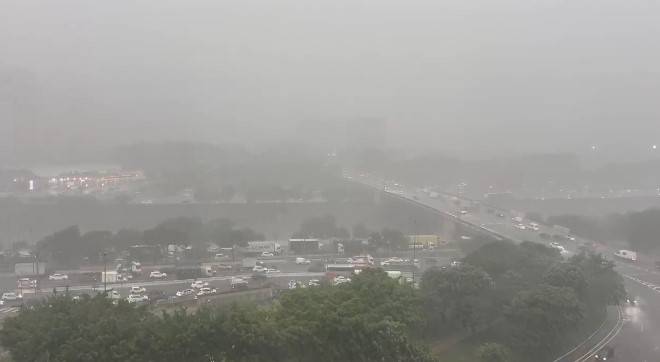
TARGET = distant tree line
(69,247)
(326,227)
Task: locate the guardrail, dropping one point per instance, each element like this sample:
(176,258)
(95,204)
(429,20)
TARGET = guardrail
(577,354)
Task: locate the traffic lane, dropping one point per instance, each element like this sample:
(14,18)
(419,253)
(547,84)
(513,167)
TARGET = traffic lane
(639,338)
(171,287)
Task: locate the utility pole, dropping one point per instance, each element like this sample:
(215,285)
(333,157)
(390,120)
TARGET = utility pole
(413,250)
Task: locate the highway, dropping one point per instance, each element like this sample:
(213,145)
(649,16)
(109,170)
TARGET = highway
(636,339)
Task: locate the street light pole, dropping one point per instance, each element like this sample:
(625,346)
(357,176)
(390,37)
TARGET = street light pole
(105,274)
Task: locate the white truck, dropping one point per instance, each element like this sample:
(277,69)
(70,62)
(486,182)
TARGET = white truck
(626,255)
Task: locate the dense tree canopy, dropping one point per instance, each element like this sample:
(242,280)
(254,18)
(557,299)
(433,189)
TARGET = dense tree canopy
(366,320)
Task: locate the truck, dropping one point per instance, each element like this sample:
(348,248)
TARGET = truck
(626,255)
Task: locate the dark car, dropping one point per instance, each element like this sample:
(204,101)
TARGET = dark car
(605,354)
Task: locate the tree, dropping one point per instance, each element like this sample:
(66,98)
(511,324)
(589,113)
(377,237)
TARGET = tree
(604,286)
(394,239)
(567,275)
(493,352)
(321,227)
(360,231)
(366,320)
(453,296)
(540,316)
(63,247)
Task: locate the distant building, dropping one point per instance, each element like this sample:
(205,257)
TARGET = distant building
(426,241)
(258,247)
(304,246)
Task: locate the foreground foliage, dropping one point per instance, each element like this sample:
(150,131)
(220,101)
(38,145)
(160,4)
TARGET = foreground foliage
(366,320)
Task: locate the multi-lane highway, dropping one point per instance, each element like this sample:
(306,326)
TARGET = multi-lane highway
(635,339)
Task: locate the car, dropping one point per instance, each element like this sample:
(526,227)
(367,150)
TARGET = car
(136,298)
(237,283)
(314,283)
(27,283)
(198,284)
(267,254)
(272,270)
(157,275)
(605,354)
(259,269)
(11,296)
(155,295)
(124,277)
(520,226)
(206,291)
(58,277)
(136,290)
(570,237)
(224,267)
(303,261)
(464,212)
(113,294)
(499,214)
(184,292)
(556,245)
(340,279)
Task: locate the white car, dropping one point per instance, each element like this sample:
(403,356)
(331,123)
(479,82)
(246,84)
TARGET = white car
(272,270)
(181,293)
(157,275)
(113,294)
(134,298)
(340,280)
(556,245)
(219,256)
(206,291)
(58,277)
(302,261)
(11,296)
(314,283)
(267,254)
(27,283)
(259,269)
(198,284)
(136,290)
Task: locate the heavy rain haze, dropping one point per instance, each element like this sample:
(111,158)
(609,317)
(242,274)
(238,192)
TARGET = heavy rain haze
(467,78)
(331,180)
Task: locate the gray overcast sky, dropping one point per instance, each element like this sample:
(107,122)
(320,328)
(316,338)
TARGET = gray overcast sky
(470,77)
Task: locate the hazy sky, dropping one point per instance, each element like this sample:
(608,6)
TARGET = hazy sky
(470,77)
